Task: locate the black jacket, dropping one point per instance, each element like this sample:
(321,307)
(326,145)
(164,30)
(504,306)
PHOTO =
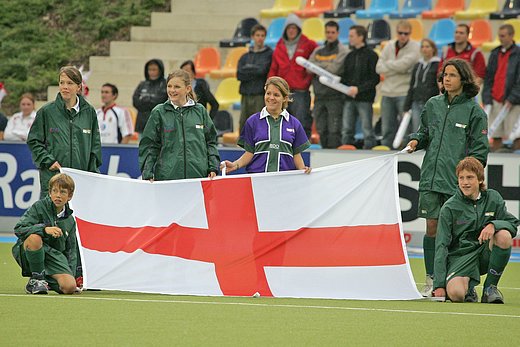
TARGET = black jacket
(148,94)
(512,89)
(423,84)
(360,71)
(205,97)
(252,71)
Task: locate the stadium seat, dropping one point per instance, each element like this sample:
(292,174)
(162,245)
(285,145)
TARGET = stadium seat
(345,8)
(223,123)
(444,9)
(488,46)
(281,8)
(411,9)
(227,92)
(315,136)
(133,115)
(242,34)
(230,139)
(344,27)
(478,9)
(315,8)
(378,9)
(230,65)
(347,147)
(510,10)
(442,32)
(274,32)
(381,148)
(207,59)
(417,29)
(314,29)
(378,31)
(480,32)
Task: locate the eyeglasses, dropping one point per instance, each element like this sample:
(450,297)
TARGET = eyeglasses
(403,33)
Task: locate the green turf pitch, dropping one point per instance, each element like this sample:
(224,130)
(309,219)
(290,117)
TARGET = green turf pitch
(108,318)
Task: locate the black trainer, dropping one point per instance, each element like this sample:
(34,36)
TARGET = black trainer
(471,295)
(37,284)
(492,295)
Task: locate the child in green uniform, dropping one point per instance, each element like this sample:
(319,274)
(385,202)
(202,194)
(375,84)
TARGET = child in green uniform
(46,248)
(474,237)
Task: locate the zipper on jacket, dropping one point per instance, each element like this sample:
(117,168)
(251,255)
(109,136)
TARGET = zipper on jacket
(183,143)
(70,138)
(440,144)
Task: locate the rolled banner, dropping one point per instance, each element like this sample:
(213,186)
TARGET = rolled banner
(500,118)
(316,69)
(515,132)
(487,109)
(224,169)
(402,129)
(340,87)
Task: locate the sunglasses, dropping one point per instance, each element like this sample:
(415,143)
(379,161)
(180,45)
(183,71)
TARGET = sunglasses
(403,33)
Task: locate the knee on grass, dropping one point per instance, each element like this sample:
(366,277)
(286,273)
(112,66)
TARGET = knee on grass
(67,284)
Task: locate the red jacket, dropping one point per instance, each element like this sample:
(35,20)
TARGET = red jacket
(294,74)
(471,54)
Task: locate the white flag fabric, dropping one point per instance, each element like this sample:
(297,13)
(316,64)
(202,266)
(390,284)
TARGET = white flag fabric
(335,233)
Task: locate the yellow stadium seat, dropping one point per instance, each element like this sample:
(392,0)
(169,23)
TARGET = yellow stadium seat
(230,65)
(417,29)
(206,60)
(381,148)
(488,46)
(281,8)
(478,9)
(314,29)
(227,92)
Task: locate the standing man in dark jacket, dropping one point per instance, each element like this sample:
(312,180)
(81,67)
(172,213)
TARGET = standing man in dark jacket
(149,93)
(252,71)
(360,74)
(502,87)
(328,103)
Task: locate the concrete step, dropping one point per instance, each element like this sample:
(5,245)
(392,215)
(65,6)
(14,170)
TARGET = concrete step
(219,7)
(150,50)
(174,21)
(194,34)
(125,65)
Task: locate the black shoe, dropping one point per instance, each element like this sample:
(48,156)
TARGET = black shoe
(492,295)
(37,284)
(471,295)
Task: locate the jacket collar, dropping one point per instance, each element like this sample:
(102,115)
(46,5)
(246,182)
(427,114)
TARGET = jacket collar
(264,114)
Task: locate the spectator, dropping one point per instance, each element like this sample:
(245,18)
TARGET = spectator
(65,132)
(19,124)
(46,245)
(115,123)
(201,89)
(273,139)
(396,63)
(180,140)
(423,84)
(502,86)
(294,44)
(360,74)
(252,71)
(3,125)
(474,238)
(452,127)
(463,49)
(149,93)
(328,103)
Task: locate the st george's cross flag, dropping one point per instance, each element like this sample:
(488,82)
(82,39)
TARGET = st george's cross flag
(335,233)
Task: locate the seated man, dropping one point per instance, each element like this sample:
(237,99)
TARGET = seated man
(46,248)
(474,237)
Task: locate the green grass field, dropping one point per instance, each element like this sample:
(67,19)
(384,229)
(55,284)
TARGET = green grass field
(107,318)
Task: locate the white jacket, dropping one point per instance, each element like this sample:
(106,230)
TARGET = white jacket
(18,127)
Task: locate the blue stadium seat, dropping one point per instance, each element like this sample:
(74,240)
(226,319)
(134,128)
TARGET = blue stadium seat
(510,10)
(411,9)
(345,8)
(274,32)
(442,32)
(378,8)
(344,27)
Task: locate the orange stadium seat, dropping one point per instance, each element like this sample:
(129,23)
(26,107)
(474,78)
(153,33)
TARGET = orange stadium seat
(315,8)
(417,29)
(478,9)
(444,9)
(230,65)
(281,8)
(480,32)
(206,60)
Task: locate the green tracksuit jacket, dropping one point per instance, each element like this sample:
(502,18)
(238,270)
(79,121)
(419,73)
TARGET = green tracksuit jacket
(449,133)
(40,215)
(70,138)
(178,143)
(460,222)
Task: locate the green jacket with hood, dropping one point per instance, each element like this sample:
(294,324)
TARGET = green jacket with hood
(178,143)
(449,132)
(40,215)
(461,221)
(72,139)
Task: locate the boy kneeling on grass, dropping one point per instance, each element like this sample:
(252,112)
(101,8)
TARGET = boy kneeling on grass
(474,237)
(46,248)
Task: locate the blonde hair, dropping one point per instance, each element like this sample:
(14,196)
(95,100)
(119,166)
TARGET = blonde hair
(282,86)
(185,77)
(62,181)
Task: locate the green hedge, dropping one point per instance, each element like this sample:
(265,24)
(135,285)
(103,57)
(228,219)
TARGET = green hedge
(37,37)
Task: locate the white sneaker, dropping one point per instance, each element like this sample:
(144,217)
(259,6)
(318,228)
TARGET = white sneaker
(428,287)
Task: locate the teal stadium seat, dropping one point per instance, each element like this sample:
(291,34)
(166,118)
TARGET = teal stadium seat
(411,9)
(274,32)
(344,27)
(442,32)
(378,9)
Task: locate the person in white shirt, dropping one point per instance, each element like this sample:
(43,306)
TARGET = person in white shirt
(115,123)
(20,123)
